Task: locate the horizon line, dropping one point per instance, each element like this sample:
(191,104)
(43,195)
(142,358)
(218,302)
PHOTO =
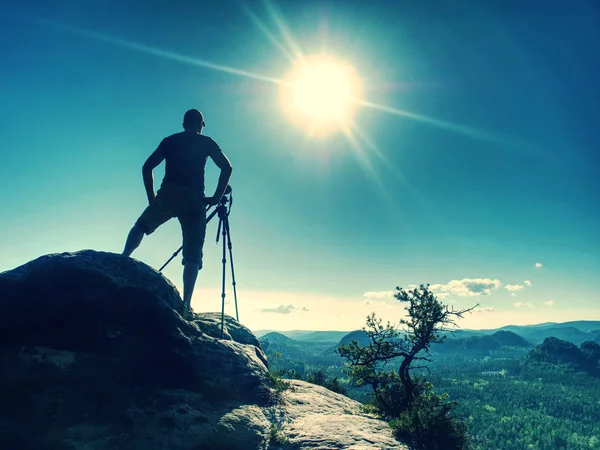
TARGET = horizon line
(456,329)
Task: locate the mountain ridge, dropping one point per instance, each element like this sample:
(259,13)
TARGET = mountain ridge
(577,331)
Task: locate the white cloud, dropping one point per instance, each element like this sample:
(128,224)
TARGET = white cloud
(514,287)
(380,298)
(486,309)
(538,265)
(467,287)
(549,303)
(284,309)
(520,305)
(382,295)
(527,283)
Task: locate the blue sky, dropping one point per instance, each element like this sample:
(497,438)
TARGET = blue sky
(478,164)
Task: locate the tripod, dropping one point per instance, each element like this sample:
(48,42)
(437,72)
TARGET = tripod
(222,230)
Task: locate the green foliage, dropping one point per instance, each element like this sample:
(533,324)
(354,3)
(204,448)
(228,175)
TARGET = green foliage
(429,424)
(276,436)
(279,384)
(370,408)
(591,352)
(296,355)
(533,405)
(389,397)
(333,384)
(417,415)
(507,401)
(557,351)
(363,363)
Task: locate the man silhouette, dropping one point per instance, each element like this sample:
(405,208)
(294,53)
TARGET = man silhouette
(181,193)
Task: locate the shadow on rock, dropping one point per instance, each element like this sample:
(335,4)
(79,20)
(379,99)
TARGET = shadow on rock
(95,353)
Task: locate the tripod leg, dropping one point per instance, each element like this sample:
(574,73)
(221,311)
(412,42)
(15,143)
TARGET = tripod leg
(224,261)
(170,259)
(233,283)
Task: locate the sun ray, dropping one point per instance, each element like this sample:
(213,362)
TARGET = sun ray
(159,52)
(267,33)
(376,150)
(367,166)
(283,29)
(461,129)
(359,153)
(423,203)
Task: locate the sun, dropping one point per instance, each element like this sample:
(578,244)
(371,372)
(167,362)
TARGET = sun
(320,94)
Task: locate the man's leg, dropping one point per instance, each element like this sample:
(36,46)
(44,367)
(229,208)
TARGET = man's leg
(193,229)
(134,239)
(190,273)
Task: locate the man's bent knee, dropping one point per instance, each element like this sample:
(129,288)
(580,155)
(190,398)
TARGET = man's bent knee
(141,227)
(192,262)
(192,254)
(192,266)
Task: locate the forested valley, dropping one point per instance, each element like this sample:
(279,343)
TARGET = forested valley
(511,393)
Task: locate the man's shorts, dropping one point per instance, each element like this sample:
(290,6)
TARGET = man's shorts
(188,205)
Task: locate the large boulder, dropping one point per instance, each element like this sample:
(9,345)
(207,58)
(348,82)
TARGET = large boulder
(90,339)
(96,355)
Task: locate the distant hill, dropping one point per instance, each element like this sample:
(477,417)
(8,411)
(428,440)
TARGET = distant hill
(261,333)
(472,342)
(279,338)
(558,351)
(576,332)
(583,325)
(358,335)
(462,334)
(483,343)
(510,339)
(559,331)
(493,341)
(322,336)
(307,335)
(293,353)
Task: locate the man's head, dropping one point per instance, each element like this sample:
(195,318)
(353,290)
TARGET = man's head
(193,120)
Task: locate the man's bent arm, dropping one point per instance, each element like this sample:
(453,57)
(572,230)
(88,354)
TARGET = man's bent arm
(222,163)
(224,178)
(153,160)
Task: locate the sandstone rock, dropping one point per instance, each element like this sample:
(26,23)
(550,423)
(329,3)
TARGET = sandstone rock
(89,337)
(96,356)
(124,316)
(316,418)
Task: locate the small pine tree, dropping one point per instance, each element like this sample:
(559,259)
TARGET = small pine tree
(397,394)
